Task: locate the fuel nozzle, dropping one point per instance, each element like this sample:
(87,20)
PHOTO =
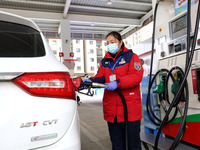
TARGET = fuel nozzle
(98,85)
(176,85)
(93,84)
(160,90)
(161,86)
(86,86)
(80,85)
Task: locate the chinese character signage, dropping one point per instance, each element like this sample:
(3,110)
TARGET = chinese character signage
(181,5)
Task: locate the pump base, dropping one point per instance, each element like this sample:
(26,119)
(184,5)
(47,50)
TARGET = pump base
(192,129)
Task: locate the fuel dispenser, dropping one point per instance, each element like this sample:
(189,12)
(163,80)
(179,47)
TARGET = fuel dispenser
(177,54)
(178,84)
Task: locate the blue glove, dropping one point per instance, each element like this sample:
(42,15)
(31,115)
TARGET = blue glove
(111,86)
(87,80)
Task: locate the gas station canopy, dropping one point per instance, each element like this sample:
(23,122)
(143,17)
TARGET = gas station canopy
(89,19)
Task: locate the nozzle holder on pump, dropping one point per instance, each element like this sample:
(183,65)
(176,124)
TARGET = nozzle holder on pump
(161,86)
(176,85)
(162,97)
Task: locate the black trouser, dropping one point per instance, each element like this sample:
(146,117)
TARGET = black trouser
(117,135)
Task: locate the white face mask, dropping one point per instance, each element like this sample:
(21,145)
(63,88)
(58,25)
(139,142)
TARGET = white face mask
(113,48)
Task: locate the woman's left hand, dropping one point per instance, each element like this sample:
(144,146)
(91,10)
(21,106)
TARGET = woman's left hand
(111,86)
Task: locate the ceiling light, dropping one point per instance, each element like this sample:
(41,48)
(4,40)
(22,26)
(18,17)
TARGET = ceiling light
(92,24)
(109,2)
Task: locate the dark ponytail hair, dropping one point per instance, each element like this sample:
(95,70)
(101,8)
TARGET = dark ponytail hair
(117,36)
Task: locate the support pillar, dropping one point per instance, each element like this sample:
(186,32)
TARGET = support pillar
(66,45)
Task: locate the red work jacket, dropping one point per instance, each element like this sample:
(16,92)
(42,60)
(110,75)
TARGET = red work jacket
(129,74)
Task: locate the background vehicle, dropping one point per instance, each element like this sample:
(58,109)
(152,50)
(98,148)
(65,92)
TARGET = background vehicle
(38,108)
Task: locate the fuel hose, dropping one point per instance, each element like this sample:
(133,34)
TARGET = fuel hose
(151,66)
(125,116)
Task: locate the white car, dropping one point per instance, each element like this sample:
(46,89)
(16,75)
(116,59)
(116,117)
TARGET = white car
(38,108)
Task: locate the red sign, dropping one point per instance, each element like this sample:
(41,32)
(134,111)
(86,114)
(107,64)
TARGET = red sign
(61,54)
(71,54)
(194,80)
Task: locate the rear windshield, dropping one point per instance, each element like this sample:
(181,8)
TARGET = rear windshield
(20,41)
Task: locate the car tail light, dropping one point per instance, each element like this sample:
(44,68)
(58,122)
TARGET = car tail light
(50,84)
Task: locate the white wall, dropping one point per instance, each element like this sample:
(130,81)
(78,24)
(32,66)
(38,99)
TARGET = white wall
(142,48)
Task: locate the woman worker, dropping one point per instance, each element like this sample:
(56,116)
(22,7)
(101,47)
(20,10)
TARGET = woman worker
(121,68)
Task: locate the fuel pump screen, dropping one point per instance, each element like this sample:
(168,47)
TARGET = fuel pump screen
(178,27)
(179,24)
